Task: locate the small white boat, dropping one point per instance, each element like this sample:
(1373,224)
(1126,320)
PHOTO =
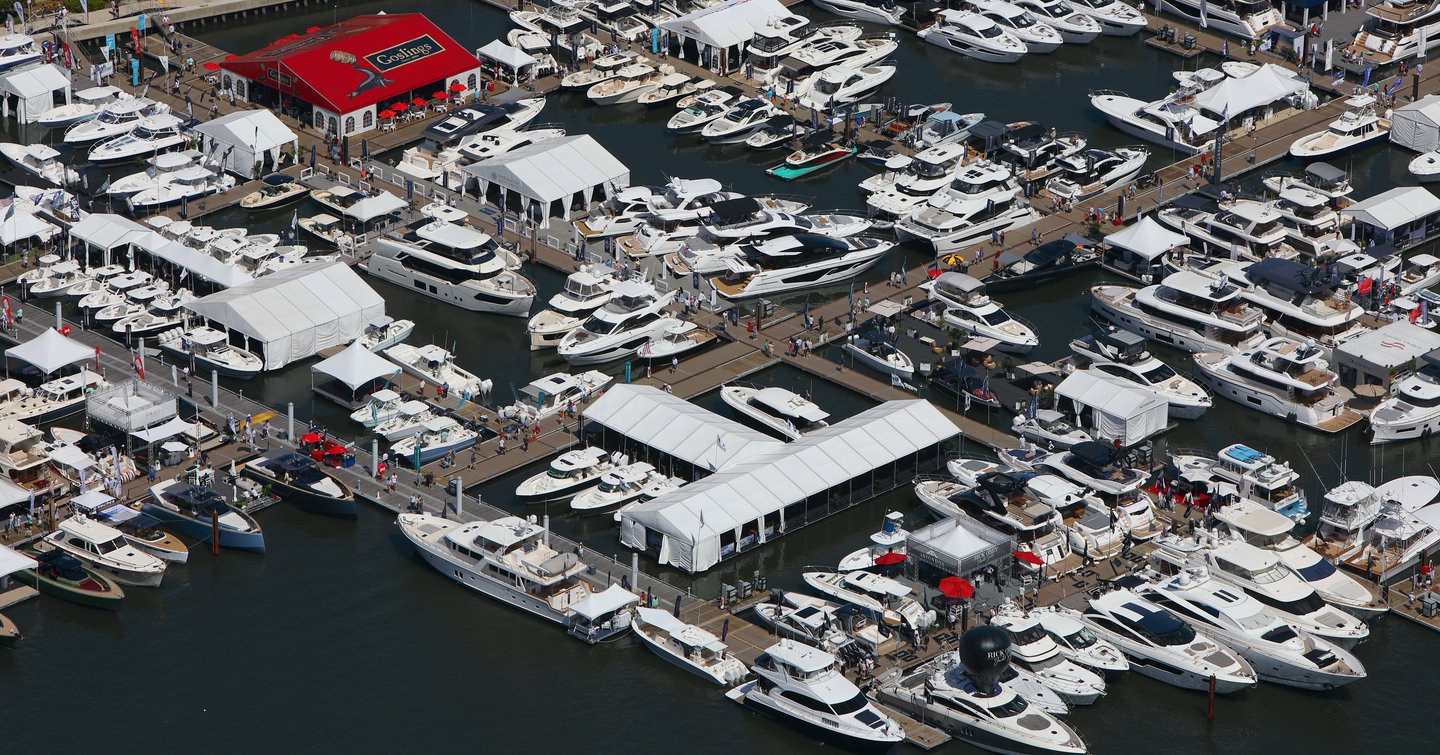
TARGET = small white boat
(409,418)
(628,85)
(1358,126)
(1049,428)
(208,348)
(105,549)
(279,190)
(616,488)
(886,548)
(688,646)
(436,366)
(381,406)
(384,332)
(438,437)
(158,170)
(547,396)
(59,280)
(152,135)
(876,351)
(181,186)
(974,36)
(777,409)
(841,85)
(84,105)
(41,161)
(116,118)
(570,473)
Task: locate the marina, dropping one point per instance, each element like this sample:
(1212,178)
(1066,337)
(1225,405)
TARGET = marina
(339,316)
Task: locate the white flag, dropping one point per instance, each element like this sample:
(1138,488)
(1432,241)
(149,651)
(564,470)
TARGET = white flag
(164,64)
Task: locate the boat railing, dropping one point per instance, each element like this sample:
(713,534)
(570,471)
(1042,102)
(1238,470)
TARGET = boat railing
(1197,452)
(1107,93)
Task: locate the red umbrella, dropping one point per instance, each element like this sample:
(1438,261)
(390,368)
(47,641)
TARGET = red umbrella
(418,102)
(439,95)
(312,30)
(457,87)
(400,107)
(1028,557)
(889,559)
(231,56)
(212,66)
(387,113)
(956,587)
(292,36)
(310,438)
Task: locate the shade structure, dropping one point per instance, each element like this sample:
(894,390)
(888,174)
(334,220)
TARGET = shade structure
(399,107)
(553,170)
(312,29)
(1146,238)
(418,102)
(387,113)
(1114,408)
(890,559)
(12,561)
(356,366)
(957,587)
(439,95)
(30,90)
(457,87)
(231,56)
(1394,209)
(50,351)
(1028,557)
(17,224)
(175,426)
(247,138)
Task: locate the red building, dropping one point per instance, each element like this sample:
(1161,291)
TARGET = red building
(339,78)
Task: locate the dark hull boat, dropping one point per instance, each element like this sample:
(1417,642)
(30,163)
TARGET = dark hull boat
(63,576)
(303,482)
(188,509)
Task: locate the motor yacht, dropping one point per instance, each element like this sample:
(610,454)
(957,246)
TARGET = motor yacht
(791,263)
(1412,410)
(1032,650)
(585,291)
(456,264)
(278,190)
(1188,311)
(1278,651)
(570,473)
(1313,227)
(1161,646)
(1038,36)
(616,488)
(810,620)
(742,119)
(1250,475)
(1049,428)
(1076,642)
(158,170)
(508,559)
(974,36)
(116,118)
(782,36)
(210,349)
(834,49)
(1379,531)
(890,600)
(436,438)
(437,367)
(1322,178)
(1282,377)
(1074,26)
(84,105)
(618,18)
(41,161)
(840,85)
(1244,19)
(105,550)
(951,225)
(1171,122)
(303,482)
(628,85)
(634,315)
(1093,172)
(180,186)
(671,87)
(1239,228)
(1298,302)
(151,136)
(803,685)
(498,142)
(874,11)
(897,193)
(188,510)
(602,69)
(1003,500)
(19,49)
(548,396)
(877,351)
(1394,31)
(969,308)
(627,209)
(1122,355)
(1116,18)
(700,112)
(689,647)
(775,409)
(1102,468)
(1356,127)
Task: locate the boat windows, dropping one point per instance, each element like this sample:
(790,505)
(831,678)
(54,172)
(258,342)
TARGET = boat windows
(1029,636)
(1011,709)
(853,705)
(964,706)
(805,701)
(1082,638)
(995,318)
(1158,374)
(1158,626)
(1280,634)
(107,546)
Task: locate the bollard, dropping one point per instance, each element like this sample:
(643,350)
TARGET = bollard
(214,388)
(460,495)
(290,421)
(58,321)
(545,524)
(374,457)
(635,570)
(174,375)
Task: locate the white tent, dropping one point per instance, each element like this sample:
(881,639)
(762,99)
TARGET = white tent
(50,351)
(1390,210)
(11,560)
(197,262)
(1232,98)
(958,545)
(1417,125)
(1146,238)
(28,92)
(376,206)
(17,224)
(497,51)
(1111,409)
(554,170)
(707,520)
(598,604)
(106,232)
(728,24)
(673,426)
(356,366)
(175,426)
(247,137)
(295,313)
(92,500)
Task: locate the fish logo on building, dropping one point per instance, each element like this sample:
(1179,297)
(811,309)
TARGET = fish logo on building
(369,79)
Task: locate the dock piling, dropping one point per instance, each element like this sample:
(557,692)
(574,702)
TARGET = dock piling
(460,497)
(545,525)
(215,389)
(290,421)
(374,457)
(635,569)
(59,320)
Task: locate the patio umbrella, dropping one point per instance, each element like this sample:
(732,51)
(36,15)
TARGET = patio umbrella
(418,102)
(956,587)
(212,66)
(1028,557)
(387,113)
(312,30)
(439,95)
(890,559)
(457,87)
(399,107)
(310,438)
(231,56)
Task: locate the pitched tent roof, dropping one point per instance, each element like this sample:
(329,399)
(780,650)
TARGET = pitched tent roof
(379,205)
(1391,209)
(298,312)
(196,261)
(1147,238)
(1122,413)
(597,604)
(728,23)
(677,427)
(359,62)
(505,54)
(18,223)
(1232,97)
(553,169)
(50,351)
(356,366)
(255,130)
(12,561)
(107,231)
(35,81)
(166,430)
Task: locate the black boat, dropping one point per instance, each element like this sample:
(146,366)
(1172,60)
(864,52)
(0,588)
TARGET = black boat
(1049,261)
(302,481)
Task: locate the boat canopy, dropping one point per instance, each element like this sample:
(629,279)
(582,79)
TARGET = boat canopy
(356,366)
(12,561)
(598,605)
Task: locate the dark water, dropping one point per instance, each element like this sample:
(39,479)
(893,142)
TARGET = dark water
(339,638)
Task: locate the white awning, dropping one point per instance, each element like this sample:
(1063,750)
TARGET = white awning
(106,232)
(1147,238)
(598,604)
(1397,207)
(504,54)
(12,561)
(674,426)
(356,366)
(380,205)
(17,223)
(50,351)
(32,89)
(197,262)
(1119,412)
(175,426)
(92,500)
(729,23)
(1233,97)
(553,169)
(245,137)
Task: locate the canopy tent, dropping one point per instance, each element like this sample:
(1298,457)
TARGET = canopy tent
(704,521)
(377,206)
(1147,238)
(131,405)
(246,140)
(162,432)
(958,545)
(1112,409)
(722,30)
(554,170)
(1417,125)
(50,351)
(598,604)
(92,500)
(1233,97)
(356,366)
(673,426)
(18,223)
(295,313)
(1376,355)
(500,53)
(105,232)
(12,560)
(196,261)
(1393,209)
(28,92)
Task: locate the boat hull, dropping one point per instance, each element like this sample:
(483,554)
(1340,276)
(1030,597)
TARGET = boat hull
(760,702)
(469,577)
(108,599)
(196,528)
(305,499)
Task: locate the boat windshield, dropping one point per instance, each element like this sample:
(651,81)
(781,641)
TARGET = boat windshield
(995,318)
(853,705)
(1158,374)
(1161,627)
(1011,709)
(1029,636)
(601,327)
(107,546)
(1317,571)
(989,32)
(1081,638)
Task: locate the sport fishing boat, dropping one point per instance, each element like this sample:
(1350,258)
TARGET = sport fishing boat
(1161,646)
(688,647)
(634,315)
(508,559)
(456,264)
(41,161)
(811,158)
(383,332)
(105,550)
(436,438)
(775,409)
(1122,355)
(1188,311)
(302,481)
(1356,127)
(1282,377)
(887,547)
(436,366)
(570,473)
(1379,531)
(547,396)
(974,36)
(210,349)
(969,308)
(190,510)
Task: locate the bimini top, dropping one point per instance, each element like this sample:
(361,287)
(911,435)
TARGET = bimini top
(599,604)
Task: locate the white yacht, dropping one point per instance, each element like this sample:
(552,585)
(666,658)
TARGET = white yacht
(1246,19)
(1395,30)
(1276,649)
(688,647)
(894,602)
(896,193)
(1116,18)
(602,69)
(1282,377)
(454,263)
(840,85)
(1425,167)
(1122,355)
(1187,311)
(705,108)
(616,488)
(106,550)
(18,50)
(782,36)
(508,559)
(53,398)
(618,18)
(116,118)
(1412,410)
(1297,301)
(1250,474)
(1038,36)
(97,280)
(974,36)
(1322,178)
(209,349)
(585,291)
(784,412)
(672,86)
(1102,468)
(437,367)
(874,11)
(1239,228)
(969,308)
(567,475)
(1379,531)
(1170,122)
(1049,428)
(435,439)
(381,406)
(792,263)
(547,396)
(1356,127)
(1312,224)
(408,418)
(157,171)
(742,119)
(165,312)
(1075,27)
(1092,172)
(1162,647)
(877,350)
(1003,500)
(811,620)
(1032,650)
(1077,642)
(115,291)
(180,186)
(383,332)
(835,49)
(887,547)
(628,85)
(152,135)
(803,685)
(949,225)
(634,315)
(626,209)
(440,151)
(41,161)
(84,105)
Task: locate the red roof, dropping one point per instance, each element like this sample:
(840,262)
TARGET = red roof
(357,63)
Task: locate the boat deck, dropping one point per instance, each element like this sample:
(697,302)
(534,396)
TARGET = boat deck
(1341,421)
